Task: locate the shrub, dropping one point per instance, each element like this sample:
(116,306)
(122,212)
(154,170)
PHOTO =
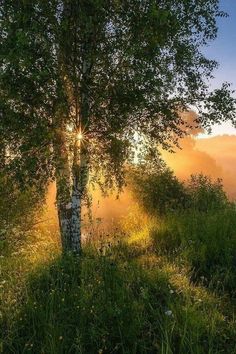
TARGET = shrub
(19,211)
(160,192)
(206,194)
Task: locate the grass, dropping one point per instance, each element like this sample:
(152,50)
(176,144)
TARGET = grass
(140,291)
(205,242)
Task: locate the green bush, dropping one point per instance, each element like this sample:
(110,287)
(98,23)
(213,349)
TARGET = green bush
(159,192)
(206,194)
(19,210)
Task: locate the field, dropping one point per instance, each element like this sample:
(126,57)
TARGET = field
(149,285)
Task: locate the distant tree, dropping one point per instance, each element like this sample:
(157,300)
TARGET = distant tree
(79,78)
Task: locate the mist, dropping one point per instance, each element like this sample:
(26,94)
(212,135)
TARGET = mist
(211,156)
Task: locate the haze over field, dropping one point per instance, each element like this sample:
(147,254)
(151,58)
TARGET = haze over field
(213,156)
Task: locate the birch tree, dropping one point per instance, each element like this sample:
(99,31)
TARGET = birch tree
(79,78)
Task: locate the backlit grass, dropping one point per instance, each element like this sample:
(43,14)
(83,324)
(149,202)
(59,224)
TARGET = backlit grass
(130,294)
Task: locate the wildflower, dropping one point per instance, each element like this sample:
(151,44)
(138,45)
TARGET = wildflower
(168,313)
(60,338)
(171,291)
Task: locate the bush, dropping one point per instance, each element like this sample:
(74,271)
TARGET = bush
(160,192)
(19,210)
(196,225)
(206,194)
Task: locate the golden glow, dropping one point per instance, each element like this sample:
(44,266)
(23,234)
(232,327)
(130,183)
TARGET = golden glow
(77,133)
(79,136)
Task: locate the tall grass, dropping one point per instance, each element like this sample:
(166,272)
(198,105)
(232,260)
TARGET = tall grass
(119,297)
(205,242)
(163,283)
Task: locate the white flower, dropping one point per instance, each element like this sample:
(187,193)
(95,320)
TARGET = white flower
(169,313)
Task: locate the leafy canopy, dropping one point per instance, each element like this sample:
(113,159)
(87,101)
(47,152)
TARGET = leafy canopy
(139,63)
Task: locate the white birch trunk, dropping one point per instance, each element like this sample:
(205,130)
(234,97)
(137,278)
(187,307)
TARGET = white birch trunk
(70,188)
(70,224)
(70,191)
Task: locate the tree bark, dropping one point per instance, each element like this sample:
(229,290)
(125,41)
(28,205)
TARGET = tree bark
(71,181)
(63,184)
(72,166)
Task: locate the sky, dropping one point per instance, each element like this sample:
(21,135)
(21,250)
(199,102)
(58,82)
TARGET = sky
(223,50)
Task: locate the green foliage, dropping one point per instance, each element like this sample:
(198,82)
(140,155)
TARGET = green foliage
(162,193)
(206,194)
(108,69)
(159,192)
(197,225)
(206,242)
(125,66)
(18,209)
